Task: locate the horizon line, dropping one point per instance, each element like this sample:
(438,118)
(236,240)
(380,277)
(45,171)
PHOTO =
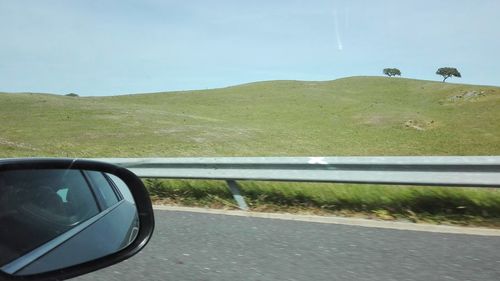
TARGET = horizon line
(247,83)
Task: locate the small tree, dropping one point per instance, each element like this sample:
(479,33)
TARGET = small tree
(447,72)
(392,72)
(71,95)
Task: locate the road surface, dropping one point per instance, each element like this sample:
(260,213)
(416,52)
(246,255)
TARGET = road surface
(195,246)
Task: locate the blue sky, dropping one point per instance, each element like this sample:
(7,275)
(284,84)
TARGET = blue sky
(114,47)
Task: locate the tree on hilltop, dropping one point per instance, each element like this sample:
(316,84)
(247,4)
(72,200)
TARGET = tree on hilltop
(447,72)
(392,72)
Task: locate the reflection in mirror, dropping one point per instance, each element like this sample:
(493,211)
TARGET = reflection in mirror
(54,219)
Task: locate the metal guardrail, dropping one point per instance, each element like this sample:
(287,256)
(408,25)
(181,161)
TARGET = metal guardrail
(475,171)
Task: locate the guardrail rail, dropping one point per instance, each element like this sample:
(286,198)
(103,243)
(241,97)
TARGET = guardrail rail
(472,171)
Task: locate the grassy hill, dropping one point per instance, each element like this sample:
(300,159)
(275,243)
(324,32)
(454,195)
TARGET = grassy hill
(350,116)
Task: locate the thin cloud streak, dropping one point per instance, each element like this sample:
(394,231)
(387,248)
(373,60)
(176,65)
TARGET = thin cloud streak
(337,33)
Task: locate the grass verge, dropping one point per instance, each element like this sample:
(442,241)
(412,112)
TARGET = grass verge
(439,205)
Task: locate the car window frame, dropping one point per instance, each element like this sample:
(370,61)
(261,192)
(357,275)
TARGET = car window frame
(101,201)
(114,187)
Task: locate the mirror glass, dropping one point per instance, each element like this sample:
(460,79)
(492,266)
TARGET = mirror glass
(54,219)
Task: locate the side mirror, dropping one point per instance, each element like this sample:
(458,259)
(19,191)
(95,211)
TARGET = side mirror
(60,218)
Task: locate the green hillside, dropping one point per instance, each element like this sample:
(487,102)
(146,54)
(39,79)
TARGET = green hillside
(350,116)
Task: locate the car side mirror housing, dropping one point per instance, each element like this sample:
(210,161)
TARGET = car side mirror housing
(60,218)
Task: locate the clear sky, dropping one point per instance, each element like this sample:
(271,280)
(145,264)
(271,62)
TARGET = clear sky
(109,47)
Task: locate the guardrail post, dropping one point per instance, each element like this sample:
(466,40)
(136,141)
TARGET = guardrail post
(235,190)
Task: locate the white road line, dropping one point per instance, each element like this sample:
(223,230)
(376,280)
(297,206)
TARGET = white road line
(341,220)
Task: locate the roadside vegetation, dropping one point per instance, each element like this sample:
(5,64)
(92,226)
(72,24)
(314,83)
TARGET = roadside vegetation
(449,205)
(356,116)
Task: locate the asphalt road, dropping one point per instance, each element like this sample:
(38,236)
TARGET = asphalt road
(194,246)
